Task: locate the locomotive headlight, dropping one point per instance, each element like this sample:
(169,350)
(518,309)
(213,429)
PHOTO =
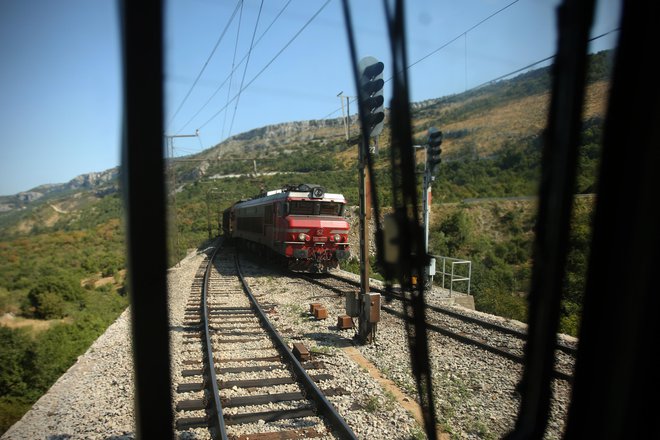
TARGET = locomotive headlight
(303,237)
(337,238)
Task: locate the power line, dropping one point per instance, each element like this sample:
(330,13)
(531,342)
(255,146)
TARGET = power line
(271,23)
(270,62)
(604,34)
(535,63)
(233,70)
(233,63)
(522,69)
(199,75)
(433,52)
(245,69)
(490,81)
(443,46)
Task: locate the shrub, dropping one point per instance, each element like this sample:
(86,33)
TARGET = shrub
(49,295)
(14,345)
(47,305)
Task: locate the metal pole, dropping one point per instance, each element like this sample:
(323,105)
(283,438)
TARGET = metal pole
(366,328)
(426,208)
(348,118)
(343,114)
(208,214)
(427,202)
(208,211)
(444,261)
(170,142)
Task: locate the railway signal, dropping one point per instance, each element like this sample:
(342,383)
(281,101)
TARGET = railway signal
(371,94)
(433,160)
(372,116)
(433,150)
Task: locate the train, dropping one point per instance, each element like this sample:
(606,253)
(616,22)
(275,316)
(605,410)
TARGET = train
(301,225)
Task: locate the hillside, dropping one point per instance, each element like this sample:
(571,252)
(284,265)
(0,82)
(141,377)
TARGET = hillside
(476,124)
(55,206)
(480,124)
(62,246)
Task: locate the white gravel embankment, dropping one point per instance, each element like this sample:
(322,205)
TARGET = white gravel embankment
(475,391)
(94,398)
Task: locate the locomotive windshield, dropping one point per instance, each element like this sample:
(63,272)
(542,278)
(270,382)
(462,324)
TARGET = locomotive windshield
(315,208)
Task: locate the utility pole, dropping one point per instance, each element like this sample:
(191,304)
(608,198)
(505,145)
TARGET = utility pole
(426,207)
(373,114)
(346,115)
(208,210)
(343,114)
(366,328)
(170,153)
(348,118)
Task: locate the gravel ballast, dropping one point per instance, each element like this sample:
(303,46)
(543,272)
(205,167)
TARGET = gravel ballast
(475,391)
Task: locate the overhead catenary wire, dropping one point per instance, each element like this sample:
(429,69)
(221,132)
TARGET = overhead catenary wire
(247,62)
(473,27)
(434,51)
(269,63)
(536,63)
(199,75)
(192,118)
(494,80)
(233,63)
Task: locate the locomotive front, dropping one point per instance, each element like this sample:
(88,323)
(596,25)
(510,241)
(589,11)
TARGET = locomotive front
(315,232)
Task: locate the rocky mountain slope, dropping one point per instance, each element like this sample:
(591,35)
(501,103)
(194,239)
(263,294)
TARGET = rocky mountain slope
(477,124)
(103,183)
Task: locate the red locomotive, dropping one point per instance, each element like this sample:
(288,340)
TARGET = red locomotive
(303,224)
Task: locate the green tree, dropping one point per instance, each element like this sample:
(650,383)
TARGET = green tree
(57,349)
(14,344)
(50,293)
(47,305)
(455,232)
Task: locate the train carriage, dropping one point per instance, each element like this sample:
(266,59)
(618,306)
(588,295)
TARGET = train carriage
(303,224)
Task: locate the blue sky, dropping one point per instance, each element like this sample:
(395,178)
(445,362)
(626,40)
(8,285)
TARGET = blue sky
(61,87)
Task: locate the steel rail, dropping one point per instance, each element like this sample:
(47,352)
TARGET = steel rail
(446,331)
(312,390)
(216,418)
(476,342)
(486,324)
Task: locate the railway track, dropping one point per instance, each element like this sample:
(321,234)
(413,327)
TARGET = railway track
(486,335)
(241,380)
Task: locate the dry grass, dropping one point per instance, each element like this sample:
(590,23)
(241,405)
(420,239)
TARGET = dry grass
(486,216)
(98,281)
(489,130)
(33,326)
(596,97)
